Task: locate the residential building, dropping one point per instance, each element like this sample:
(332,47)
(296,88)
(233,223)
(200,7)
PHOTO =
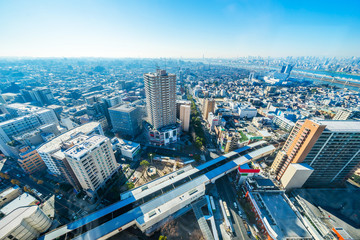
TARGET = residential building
(126,120)
(342,114)
(180,103)
(209,106)
(213,121)
(331,148)
(24,223)
(13,127)
(232,142)
(52,152)
(185,111)
(92,160)
(26,118)
(160,90)
(43,95)
(283,123)
(30,160)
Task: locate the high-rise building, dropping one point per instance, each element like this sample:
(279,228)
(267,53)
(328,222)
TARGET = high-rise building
(160,90)
(209,106)
(24,223)
(178,104)
(30,160)
(92,160)
(126,119)
(52,152)
(43,95)
(232,142)
(331,148)
(288,68)
(342,114)
(13,127)
(185,111)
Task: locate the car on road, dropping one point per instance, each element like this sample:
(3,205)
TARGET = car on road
(39,194)
(235,205)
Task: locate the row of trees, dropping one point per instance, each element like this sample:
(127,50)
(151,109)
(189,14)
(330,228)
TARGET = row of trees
(196,123)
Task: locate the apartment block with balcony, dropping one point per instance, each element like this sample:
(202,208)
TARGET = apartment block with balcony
(331,148)
(92,160)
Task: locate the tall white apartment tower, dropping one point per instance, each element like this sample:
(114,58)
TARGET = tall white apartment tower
(160,89)
(92,160)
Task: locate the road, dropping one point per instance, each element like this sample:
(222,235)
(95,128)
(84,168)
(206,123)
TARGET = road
(63,206)
(228,195)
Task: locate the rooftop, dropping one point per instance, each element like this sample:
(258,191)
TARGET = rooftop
(10,221)
(341,126)
(83,144)
(24,107)
(123,108)
(125,144)
(55,144)
(24,199)
(8,191)
(279,216)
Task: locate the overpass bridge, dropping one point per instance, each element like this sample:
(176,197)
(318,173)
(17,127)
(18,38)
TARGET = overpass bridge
(152,203)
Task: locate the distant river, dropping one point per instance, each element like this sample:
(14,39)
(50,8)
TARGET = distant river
(339,76)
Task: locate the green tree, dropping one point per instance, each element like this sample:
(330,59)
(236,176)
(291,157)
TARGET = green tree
(162,237)
(144,163)
(130,185)
(198,143)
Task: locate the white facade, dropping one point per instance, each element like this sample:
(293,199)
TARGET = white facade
(24,223)
(283,123)
(47,149)
(248,112)
(213,121)
(342,114)
(296,175)
(185,111)
(47,116)
(92,160)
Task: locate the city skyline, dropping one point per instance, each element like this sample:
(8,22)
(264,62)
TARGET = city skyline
(178,29)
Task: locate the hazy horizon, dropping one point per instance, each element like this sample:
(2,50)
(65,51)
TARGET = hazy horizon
(179,29)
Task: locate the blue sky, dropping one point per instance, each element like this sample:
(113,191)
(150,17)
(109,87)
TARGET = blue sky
(179,28)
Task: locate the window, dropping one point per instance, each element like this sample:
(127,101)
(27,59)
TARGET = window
(152,213)
(192,192)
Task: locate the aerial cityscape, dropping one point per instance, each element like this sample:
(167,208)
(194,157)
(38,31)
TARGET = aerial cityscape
(240,121)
